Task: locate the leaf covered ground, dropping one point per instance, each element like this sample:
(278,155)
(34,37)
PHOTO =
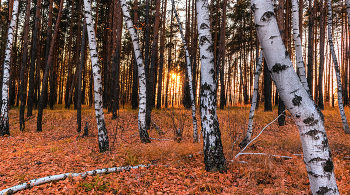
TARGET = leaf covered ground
(178,167)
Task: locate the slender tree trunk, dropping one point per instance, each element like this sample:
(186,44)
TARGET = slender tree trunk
(82,62)
(32,64)
(254,103)
(23,89)
(310,66)
(267,89)
(47,67)
(135,68)
(116,55)
(214,158)
(161,59)
(4,119)
(321,66)
(348,10)
(147,72)
(103,142)
(153,70)
(193,105)
(169,61)
(142,79)
(298,46)
(308,118)
(221,57)
(337,72)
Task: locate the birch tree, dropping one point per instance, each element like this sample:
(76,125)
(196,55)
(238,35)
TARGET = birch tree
(141,74)
(337,72)
(308,118)
(4,118)
(103,142)
(194,119)
(253,105)
(214,158)
(298,46)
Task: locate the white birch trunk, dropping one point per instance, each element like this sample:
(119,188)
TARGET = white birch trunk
(4,118)
(36,182)
(248,136)
(141,73)
(337,72)
(298,46)
(214,158)
(308,118)
(103,142)
(195,132)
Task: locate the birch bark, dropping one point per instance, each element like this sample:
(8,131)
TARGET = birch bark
(309,119)
(337,72)
(103,142)
(254,101)
(298,46)
(141,73)
(214,158)
(194,119)
(4,119)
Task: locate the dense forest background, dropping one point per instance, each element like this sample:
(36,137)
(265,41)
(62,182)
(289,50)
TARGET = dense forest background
(238,50)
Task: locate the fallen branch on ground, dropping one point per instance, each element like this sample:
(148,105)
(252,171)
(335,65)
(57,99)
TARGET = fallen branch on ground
(239,153)
(51,178)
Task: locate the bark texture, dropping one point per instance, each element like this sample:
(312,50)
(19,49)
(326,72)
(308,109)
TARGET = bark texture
(4,118)
(103,142)
(214,158)
(337,72)
(309,119)
(141,73)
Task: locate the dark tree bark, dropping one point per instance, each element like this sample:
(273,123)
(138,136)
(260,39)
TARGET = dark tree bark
(147,71)
(267,89)
(161,58)
(47,67)
(82,62)
(321,66)
(154,58)
(69,74)
(24,62)
(221,57)
(134,96)
(33,60)
(310,48)
(169,60)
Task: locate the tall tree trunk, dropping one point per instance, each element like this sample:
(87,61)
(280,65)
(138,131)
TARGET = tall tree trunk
(298,46)
(221,57)
(142,79)
(153,70)
(103,142)
(161,58)
(117,36)
(193,105)
(321,66)
(308,118)
(47,67)
(337,72)
(33,60)
(348,10)
(23,88)
(254,103)
(135,68)
(214,158)
(4,119)
(169,60)
(80,68)
(310,50)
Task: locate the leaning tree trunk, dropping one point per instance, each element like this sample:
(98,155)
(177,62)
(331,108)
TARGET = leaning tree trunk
(103,142)
(253,105)
(47,67)
(23,89)
(337,72)
(308,118)
(4,119)
(214,158)
(193,105)
(80,69)
(141,73)
(298,46)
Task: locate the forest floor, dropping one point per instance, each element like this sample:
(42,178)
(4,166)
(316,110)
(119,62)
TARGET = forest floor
(179,167)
